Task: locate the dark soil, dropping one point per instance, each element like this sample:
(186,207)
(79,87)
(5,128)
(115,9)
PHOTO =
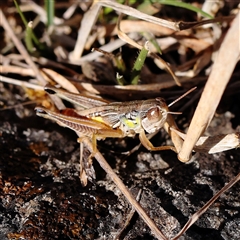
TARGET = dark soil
(42,197)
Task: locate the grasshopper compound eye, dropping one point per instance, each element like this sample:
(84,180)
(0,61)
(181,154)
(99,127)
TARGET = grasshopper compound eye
(154,115)
(154,119)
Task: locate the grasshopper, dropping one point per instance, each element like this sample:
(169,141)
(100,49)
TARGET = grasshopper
(99,119)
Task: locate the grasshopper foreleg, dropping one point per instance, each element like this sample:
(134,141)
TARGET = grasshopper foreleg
(148,145)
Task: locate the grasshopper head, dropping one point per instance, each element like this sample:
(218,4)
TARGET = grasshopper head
(154,114)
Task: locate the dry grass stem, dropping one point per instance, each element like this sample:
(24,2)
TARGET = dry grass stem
(90,18)
(109,47)
(60,79)
(214,144)
(129,217)
(106,167)
(200,212)
(21,48)
(222,69)
(27,57)
(20,83)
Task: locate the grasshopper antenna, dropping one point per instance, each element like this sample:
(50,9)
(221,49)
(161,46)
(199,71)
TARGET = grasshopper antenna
(174,113)
(184,95)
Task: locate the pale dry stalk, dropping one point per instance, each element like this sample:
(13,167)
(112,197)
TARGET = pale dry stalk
(26,56)
(21,48)
(91,15)
(223,67)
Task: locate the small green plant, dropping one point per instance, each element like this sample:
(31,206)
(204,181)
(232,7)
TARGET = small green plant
(139,64)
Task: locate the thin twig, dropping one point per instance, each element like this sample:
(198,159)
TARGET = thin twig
(103,163)
(129,217)
(200,212)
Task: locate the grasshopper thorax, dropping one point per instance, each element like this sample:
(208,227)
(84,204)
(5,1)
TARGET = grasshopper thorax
(153,114)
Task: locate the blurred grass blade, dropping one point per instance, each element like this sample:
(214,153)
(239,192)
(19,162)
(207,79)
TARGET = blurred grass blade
(121,68)
(151,38)
(28,38)
(120,80)
(29,32)
(20,13)
(147,7)
(188,6)
(49,6)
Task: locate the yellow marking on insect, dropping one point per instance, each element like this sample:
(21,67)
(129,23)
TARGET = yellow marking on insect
(130,123)
(98,119)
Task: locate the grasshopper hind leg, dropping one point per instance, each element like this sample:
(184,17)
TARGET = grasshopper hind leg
(82,173)
(86,170)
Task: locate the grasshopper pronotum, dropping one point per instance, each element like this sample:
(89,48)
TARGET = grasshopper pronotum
(99,119)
